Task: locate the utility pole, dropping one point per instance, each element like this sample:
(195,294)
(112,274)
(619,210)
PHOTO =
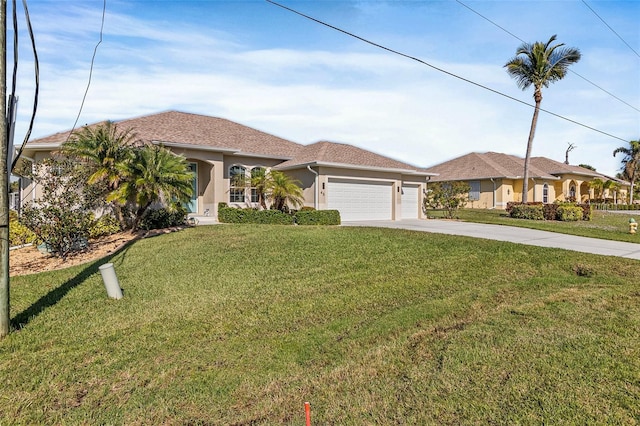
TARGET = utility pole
(4,178)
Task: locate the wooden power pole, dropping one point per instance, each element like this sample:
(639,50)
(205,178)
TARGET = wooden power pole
(4,178)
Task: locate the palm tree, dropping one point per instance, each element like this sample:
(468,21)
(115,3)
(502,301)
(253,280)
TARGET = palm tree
(103,148)
(630,163)
(105,151)
(538,65)
(155,174)
(283,190)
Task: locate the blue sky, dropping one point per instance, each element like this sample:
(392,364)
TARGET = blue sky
(262,66)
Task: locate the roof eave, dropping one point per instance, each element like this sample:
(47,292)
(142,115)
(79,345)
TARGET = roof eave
(231,151)
(356,167)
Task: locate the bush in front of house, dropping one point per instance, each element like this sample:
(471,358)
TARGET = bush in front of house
(527,211)
(306,216)
(317,217)
(228,214)
(550,211)
(103,226)
(163,218)
(18,233)
(569,212)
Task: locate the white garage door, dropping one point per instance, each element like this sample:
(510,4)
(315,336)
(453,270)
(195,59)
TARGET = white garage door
(410,202)
(360,200)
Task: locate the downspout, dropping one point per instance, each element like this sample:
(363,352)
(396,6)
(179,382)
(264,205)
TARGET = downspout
(315,192)
(494,192)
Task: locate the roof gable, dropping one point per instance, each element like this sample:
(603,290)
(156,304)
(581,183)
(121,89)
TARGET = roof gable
(339,154)
(173,127)
(488,165)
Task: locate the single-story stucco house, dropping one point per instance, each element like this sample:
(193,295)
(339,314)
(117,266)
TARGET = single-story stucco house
(359,183)
(496,179)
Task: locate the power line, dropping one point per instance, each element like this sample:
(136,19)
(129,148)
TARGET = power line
(93,58)
(440,69)
(37,77)
(570,70)
(612,30)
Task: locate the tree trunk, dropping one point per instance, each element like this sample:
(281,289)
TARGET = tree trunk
(534,122)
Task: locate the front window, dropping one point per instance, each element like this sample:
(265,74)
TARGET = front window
(237,190)
(474,192)
(545,193)
(257,183)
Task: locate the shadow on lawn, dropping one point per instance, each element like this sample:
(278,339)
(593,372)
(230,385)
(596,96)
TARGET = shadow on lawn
(54,296)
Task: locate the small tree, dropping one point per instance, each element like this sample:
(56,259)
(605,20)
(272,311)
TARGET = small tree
(447,196)
(283,191)
(155,175)
(61,217)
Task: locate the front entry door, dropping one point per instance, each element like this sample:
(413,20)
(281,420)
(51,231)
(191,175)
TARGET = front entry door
(192,205)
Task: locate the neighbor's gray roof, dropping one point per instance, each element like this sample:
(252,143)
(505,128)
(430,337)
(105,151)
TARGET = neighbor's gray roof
(174,127)
(340,154)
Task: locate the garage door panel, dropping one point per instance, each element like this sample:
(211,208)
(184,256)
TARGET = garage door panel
(360,200)
(410,202)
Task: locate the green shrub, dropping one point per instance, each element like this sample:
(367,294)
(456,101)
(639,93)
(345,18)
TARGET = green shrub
(20,234)
(105,225)
(307,208)
(569,212)
(163,218)
(236,215)
(318,217)
(527,211)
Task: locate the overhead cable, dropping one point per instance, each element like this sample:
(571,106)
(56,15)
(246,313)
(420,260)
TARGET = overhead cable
(570,70)
(93,59)
(37,76)
(612,30)
(441,70)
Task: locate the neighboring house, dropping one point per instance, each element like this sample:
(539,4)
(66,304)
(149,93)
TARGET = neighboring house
(496,179)
(358,183)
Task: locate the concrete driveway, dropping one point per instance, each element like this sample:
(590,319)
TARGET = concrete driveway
(512,234)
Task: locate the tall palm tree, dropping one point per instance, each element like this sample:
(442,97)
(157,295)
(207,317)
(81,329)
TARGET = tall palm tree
(283,190)
(630,163)
(538,65)
(155,174)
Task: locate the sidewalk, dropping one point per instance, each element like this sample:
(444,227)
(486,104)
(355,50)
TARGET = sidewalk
(514,235)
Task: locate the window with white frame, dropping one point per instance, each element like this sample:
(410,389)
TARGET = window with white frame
(237,184)
(545,193)
(474,192)
(256,173)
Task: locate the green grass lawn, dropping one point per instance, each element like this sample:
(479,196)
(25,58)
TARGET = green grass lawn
(603,225)
(241,324)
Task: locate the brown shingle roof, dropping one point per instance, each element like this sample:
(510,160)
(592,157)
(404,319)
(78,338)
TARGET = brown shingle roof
(339,154)
(557,168)
(475,166)
(485,166)
(174,127)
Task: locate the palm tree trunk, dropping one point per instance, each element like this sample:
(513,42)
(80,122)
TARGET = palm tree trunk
(534,122)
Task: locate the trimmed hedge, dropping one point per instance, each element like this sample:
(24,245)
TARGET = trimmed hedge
(611,206)
(554,211)
(318,217)
(234,215)
(569,213)
(527,211)
(228,214)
